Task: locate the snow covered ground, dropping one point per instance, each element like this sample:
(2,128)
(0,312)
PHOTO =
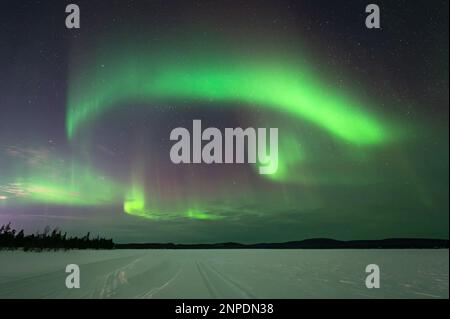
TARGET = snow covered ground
(225,274)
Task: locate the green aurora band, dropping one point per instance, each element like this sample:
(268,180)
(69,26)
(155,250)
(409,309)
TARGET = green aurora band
(57,183)
(285,87)
(136,204)
(274,83)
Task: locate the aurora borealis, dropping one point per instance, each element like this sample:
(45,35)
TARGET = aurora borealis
(285,88)
(362,119)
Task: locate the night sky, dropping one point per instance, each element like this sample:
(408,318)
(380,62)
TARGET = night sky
(86,116)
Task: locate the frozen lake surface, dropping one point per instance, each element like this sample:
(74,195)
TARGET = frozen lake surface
(226,274)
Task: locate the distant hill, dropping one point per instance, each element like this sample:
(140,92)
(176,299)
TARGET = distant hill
(315,243)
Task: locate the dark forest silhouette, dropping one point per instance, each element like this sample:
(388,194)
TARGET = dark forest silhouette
(55,239)
(49,240)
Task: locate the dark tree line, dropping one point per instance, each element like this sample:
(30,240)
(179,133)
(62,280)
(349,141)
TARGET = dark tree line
(49,239)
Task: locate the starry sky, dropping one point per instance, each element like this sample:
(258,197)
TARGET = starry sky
(86,116)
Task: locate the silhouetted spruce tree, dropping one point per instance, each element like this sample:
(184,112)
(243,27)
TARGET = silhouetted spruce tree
(49,239)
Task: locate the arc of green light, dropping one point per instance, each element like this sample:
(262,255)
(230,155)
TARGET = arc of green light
(59,183)
(287,88)
(135,204)
(49,192)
